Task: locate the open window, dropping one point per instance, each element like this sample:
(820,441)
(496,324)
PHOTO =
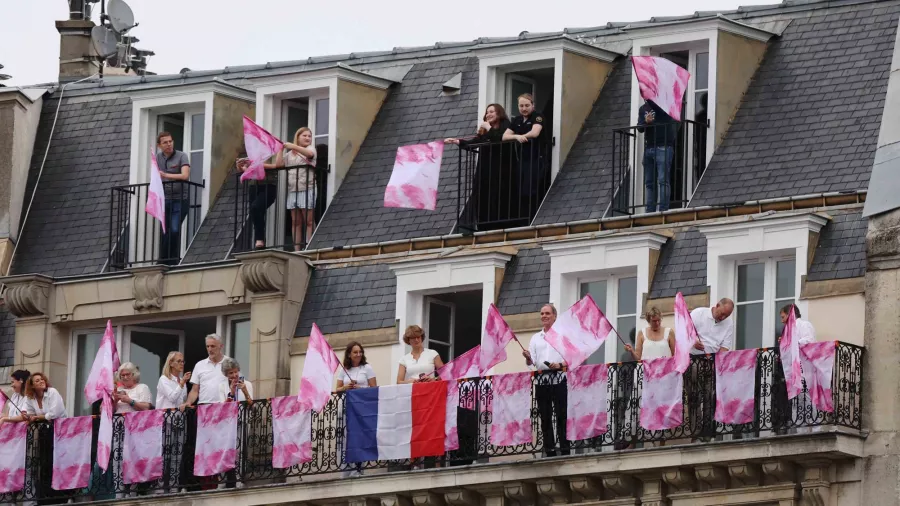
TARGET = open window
(453,323)
(616,295)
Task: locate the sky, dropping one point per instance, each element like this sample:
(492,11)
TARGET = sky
(211,34)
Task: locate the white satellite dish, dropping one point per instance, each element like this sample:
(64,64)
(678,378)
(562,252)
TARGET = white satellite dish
(104,41)
(120,16)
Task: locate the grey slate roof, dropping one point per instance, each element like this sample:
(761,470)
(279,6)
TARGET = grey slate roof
(841,252)
(681,266)
(215,236)
(415,112)
(343,299)
(526,283)
(67,232)
(809,121)
(7,336)
(582,188)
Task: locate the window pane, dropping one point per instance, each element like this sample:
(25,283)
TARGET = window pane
(322,116)
(779,327)
(750,282)
(149,351)
(439,320)
(297,118)
(597,289)
(86,347)
(749,326)
(442,349)
(626,327)
(196,174)
(196,132)
(702,81)
(518,87)
(627,296)
(785,276)
(240,344)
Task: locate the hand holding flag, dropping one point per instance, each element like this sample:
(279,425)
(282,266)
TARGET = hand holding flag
(685,334)
(260,146)
(579,332)
(156,198)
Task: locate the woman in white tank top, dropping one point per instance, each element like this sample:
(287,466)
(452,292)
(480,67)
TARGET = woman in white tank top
(653,341)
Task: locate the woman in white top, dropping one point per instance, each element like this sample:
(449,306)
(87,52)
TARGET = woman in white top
(301,184)
(236,388)
(419,364)
(653,341)
(130,395)
(171,390)
(17,399)
(361,374)
(42,402)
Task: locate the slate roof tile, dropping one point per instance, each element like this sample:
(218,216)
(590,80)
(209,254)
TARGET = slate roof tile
(841,252)
(342,299)
(526,283)
(681,266)
(7,336)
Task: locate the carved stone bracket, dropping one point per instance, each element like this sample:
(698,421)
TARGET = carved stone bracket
(681,480)
(587,488)
(521,492)
(428,499)
(556,490)
(818,475)
(620,485)
(148,287)
(712,477)
(780,471)
(263,275)
(363,501)
(653,489)
(395,500)
(28,296)
(461,497)
(745,474)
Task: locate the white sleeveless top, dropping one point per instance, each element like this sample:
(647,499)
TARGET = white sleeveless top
(656,349)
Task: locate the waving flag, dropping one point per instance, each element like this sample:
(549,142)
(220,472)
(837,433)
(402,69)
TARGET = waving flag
(414,182)
(818,367)
(790,357)
(99,385)
(661,401)
(735,386)
(142,459)
(685,334)
(104,433)
(588,413)
(497,335)
(579,332)
(396,422)
(512,409)
(71,453)
(3,400)
(318,371)
(661,81)
(156,197)
(463,366)
(260,146)
(12,456)
(291,432)
(216,449)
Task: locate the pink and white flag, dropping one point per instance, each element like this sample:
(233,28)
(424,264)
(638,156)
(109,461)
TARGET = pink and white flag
(497,335)
(661,81)
(512,409)
(461,367)
(451,433)
(260,146)
(142,459)
(104,433)
(216,450)
(588,414)
(71,453)
(685,334)
(735,386)
(291,431)
(414,181)
(318,371)
(790,357)
(818,367)
(156,196)
(579,332)
(100,385)
(12,456)
(3,400)
(661,401)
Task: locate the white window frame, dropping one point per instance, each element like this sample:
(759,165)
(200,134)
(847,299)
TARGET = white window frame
(770,308)
(427,324)
(611,311)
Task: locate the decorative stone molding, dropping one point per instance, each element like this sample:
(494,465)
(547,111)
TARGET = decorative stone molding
(744,474)
(818,475)
(653,490)
(148,287)
(521,492)
(780,471)
(28,296)
(556,490)
(711,477)
(620,485)
(395,500)
(263,275)
(363,501)
(681,480)
(428,499)
(587,488)
(461,497)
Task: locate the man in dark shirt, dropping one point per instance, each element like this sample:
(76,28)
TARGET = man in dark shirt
(175,171)
(660,132)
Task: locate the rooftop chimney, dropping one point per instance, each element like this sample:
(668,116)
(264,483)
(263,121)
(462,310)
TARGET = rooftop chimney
(76,58)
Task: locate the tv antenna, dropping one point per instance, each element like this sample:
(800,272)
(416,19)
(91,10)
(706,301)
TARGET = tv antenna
(113,45)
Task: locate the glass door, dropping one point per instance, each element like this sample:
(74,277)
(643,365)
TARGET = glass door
(147,348)
(439,329)
(518,85)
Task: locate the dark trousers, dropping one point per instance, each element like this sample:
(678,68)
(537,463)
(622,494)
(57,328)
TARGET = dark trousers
(553,400)
(262,196)
(170,243)
(467,431)
(781,405)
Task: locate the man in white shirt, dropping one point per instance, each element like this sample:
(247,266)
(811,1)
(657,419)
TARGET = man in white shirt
(551,391)
(207,374)
(715,328)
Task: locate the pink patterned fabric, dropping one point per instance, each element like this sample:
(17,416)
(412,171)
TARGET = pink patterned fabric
(156,198)
(588,413)
(512,409)
(661,400)
(260,146)
(292,432)
(414,182)
(735,384)
(790,357)
(661,81)
(12,456)
(818,366)
(104,434)
(461,367)
(318,371)
(100,385)
(3,400)
(451,435)
(216,438)
(685,334)
(142,459)
(579,332)
(71,453)
(497,335)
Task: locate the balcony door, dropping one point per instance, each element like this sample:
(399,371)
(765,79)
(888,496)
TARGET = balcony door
(148,348)
(440,317)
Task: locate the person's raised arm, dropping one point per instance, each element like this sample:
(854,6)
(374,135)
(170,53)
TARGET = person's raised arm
(192,396)
(308,152)
(169,392)
(279,162)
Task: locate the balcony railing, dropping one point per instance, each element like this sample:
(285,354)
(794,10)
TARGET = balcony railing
(276,210)
(501,185)
(136,238)
(656,167)
(774,415)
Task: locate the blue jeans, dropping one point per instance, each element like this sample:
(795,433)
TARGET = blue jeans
(170,245)
(659,158)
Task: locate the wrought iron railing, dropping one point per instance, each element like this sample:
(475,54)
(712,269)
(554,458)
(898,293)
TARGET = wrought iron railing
(501,185)
(656,167)
(137,239)
(272,211)
(774,415)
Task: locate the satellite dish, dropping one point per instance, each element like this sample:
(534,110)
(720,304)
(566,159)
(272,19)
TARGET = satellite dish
(120,15)
(104,40)
(119,58)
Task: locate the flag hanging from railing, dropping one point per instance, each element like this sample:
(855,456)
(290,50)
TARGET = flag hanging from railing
(461,367)
(735,386)
(260,146)
(817,360)
(661,400)
(13,437)
(105,432)
(511,423)
(685,334)
(156,196)
(661,81)
(451,432)
(318,371)
(142,453)
(790,357)
(414,181)
(579,332)
(497,335)
(291,431)
(100,385)
(3,401)
(216,449)
(71,453)
(588,414)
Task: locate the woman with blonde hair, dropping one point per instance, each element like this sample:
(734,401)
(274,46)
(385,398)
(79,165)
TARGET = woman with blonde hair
(171,390)
(653,341)
(301,184)
(420,363)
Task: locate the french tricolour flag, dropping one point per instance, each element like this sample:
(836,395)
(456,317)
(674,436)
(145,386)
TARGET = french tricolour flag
(396,422)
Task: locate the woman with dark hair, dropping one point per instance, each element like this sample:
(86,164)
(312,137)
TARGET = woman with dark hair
(357,373)
(17,399)
(527,128)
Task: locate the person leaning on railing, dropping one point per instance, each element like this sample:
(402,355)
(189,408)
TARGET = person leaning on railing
(528,129)
(17,400)
(175,171)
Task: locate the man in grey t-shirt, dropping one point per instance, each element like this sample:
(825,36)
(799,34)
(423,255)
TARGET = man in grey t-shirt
(175,171)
